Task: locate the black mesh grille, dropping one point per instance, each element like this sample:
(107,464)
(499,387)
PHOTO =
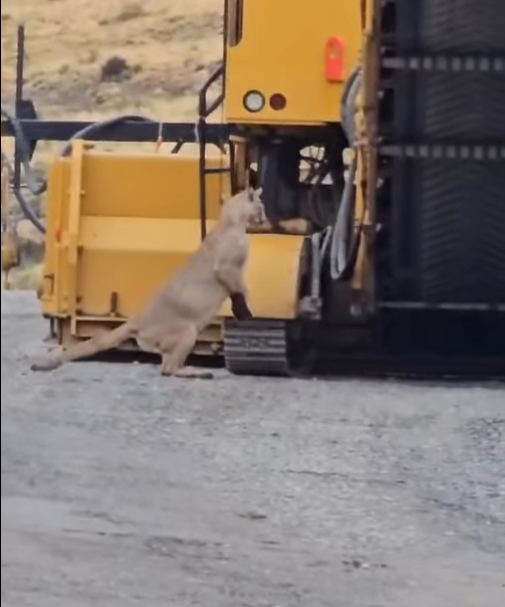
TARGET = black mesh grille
(457,107)
(459,26)
(447,216)
(461,232)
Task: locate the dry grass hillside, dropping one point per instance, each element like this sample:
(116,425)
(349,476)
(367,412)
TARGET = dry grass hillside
(168,48)
(161,52)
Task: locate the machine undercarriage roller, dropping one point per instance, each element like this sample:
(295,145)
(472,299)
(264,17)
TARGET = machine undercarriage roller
(257,347)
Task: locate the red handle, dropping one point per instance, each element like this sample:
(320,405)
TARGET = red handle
(334,59)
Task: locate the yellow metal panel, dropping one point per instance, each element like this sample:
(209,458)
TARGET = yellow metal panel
(130,256)
(133,198)
(149,185)
(282,50)
(74,216)
(55,283)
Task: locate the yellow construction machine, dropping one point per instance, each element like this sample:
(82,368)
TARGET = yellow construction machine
(376,130)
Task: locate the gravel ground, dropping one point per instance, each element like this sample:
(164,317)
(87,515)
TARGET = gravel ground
(122,488)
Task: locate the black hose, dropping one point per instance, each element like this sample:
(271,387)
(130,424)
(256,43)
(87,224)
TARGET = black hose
(96,127)
(28,213)
(25,207)
(24,152)
(23,149)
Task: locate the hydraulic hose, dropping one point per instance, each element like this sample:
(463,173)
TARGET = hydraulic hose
(342,249)
(340,246)
(36,186)
(24,152)
(96,127)
(320,242)
(337,238)
(25,207)
(348,103)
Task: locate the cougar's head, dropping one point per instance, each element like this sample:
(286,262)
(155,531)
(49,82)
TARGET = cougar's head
(256,209)
(245,208)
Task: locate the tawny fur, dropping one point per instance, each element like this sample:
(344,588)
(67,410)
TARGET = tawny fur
(188,301)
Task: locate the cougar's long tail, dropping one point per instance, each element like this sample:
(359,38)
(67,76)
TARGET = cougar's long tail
(99,343)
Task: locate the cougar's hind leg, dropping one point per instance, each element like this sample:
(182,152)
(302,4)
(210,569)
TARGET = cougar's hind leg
(173,360)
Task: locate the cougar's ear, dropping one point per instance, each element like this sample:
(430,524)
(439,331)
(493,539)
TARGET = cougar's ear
(259,192)
(250,194)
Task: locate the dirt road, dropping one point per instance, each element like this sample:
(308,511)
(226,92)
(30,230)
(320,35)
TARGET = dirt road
(121,488)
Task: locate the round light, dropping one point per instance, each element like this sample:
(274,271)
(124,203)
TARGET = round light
(254,101)
(277,101)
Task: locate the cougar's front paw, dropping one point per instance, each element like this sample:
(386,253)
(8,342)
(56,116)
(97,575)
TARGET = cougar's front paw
(239,307)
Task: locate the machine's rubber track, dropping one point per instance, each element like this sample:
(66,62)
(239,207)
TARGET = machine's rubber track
(256,347)
(261,347)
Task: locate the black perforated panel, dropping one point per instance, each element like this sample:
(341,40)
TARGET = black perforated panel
(446,216)
(461,243)
(464,26)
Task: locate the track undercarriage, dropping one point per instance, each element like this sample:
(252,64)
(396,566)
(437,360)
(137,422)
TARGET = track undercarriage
(468,350)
